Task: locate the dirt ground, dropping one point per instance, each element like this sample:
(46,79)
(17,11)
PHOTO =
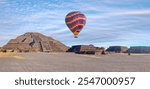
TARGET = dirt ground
(70,62)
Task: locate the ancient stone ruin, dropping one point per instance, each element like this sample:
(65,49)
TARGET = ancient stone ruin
(139,49)
(34,42)
(0,49)
(117,49)
(87,49)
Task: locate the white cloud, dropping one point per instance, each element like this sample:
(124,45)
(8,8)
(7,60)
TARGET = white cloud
(40,15)
(133,12)
(2,1)
(118,13)
(59,31)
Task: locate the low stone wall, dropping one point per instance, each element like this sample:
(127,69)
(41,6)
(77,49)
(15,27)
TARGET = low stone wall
(87,49)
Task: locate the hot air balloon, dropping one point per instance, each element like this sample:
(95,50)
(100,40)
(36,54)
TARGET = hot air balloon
(75,22)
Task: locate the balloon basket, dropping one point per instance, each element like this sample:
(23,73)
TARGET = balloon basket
(75,37)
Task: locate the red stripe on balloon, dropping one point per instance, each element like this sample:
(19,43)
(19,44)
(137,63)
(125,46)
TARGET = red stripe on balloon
(79,18)
(76,26)
(71,15)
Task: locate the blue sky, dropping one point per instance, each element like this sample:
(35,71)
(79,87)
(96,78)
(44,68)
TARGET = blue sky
(109,22)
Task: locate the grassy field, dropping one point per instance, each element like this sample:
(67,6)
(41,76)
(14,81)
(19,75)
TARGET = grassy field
(70,62)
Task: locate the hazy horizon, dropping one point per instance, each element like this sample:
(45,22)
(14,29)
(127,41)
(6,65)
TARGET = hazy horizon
(109,22)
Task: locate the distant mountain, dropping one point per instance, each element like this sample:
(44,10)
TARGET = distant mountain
(35,42)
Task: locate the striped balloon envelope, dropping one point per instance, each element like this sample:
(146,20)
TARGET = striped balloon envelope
(75,22)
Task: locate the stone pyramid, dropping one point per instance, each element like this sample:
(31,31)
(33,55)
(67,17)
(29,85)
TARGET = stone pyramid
(35,42)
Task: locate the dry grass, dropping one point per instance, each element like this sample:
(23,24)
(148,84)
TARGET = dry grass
(10,55)
(4,54)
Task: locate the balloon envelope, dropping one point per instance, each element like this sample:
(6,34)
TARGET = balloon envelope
(75,22)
